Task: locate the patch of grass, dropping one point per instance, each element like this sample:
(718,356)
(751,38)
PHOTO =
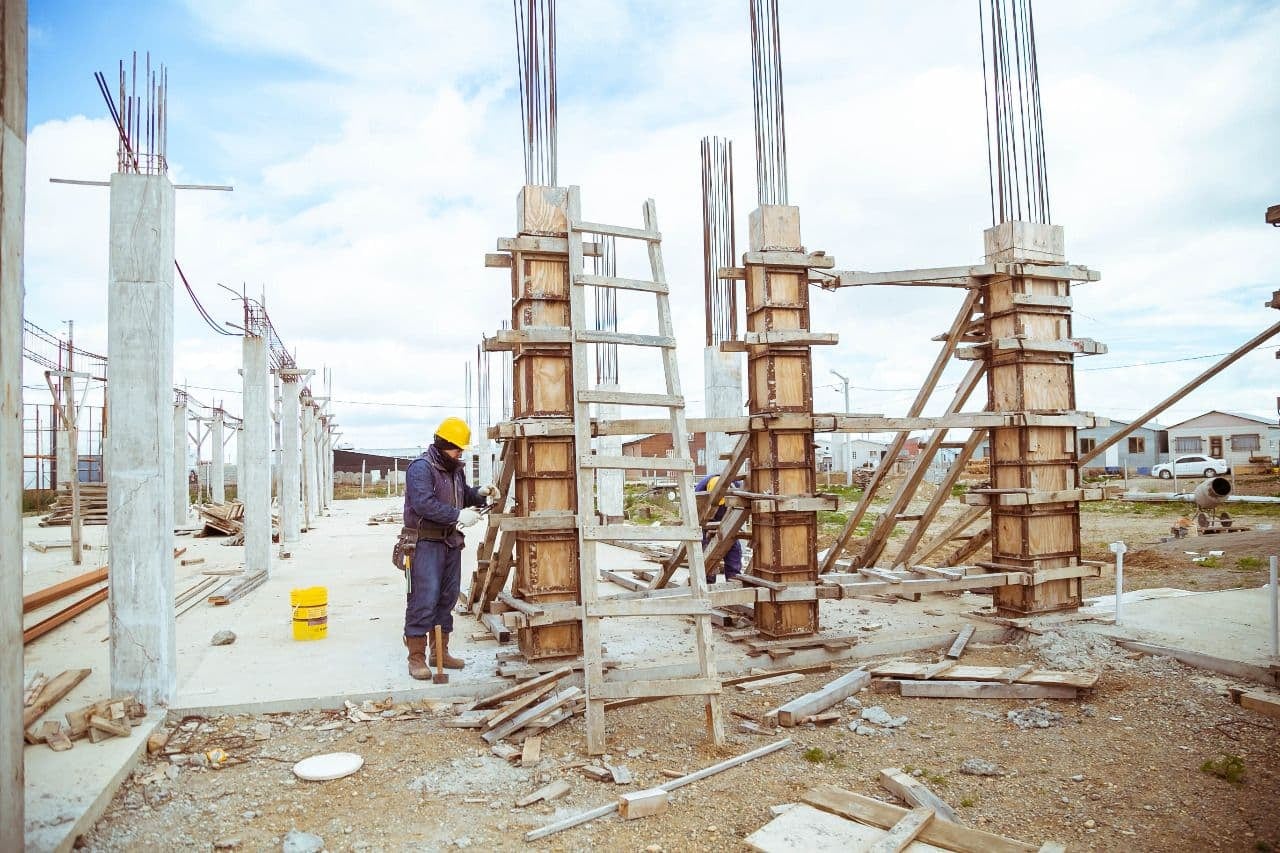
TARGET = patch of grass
(818,755)
(1229,767)
(937,780)
(845,493)
(970,801)
(1210,563)
(959,489)
(1249,564)
(831,517)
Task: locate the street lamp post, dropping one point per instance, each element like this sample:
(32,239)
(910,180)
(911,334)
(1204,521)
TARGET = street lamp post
(845,467)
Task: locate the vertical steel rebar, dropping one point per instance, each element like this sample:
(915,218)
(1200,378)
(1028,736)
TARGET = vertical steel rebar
(766,87)
(536,61)
(720,296)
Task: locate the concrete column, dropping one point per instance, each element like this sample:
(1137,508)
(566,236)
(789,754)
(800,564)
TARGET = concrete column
(253,477)
(64,460)
(240,463)
(323,442)
(181,488)
(140,442)
(277,470)
(310,501)
(290,483)
(609,481)
(217,451)
(722,373)
(13,160)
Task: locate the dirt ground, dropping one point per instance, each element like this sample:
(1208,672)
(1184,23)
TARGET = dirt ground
(1123,768)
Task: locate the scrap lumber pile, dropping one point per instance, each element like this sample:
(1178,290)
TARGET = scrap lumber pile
(947,679)
(227,519)
(247,585)
(834,818)
(390,517)
(757,645)
(522,711)
(101,720)
(862,477)
(93,506)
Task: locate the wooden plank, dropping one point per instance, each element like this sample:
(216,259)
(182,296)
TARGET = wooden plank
(520,689)
(616,231)
(620,283)
(682,606)
(1013,673)
(903,832)
(516,706)
(646,803)
(698,775)
(605,532)
(813,260)
(950,836)
(66,614)
(531,754)
(631,398)
(1257,701)
(916,793)
(656,687)
(935,669)
(58,740)
(240,590)
(49,594)
(548,792)
(647,463)
(597,336)
(771,681)
(556,700)
(807,670)
(838,690)
(962,640)
(111,727)
(790,337)
(983,690)
(960,672)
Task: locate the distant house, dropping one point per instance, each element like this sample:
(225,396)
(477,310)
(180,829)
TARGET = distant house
(862,453)
(1237,437)
(659,446)
(1146,446)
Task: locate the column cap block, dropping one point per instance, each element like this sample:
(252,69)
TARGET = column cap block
(775,228)
(542,211)
(1024,241)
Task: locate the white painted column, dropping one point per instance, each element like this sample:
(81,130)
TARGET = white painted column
(722,372)
(310,501)
(290,482)
(139,444)
(217,452)
(253,476)
(13,159)
(609,481)
(181,487)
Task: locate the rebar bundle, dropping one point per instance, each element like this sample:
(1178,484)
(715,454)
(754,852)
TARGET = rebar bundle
(766,87)
(1015,129)
(606,319)
(536,58)
(720,295)
(142,121)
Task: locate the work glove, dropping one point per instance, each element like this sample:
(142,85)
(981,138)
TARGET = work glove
(467,517)
(489,492)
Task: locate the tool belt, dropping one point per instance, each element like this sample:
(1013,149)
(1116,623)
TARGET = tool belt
(407,542)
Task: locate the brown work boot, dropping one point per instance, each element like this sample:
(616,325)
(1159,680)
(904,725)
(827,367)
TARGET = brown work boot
(418,667)
(450,662)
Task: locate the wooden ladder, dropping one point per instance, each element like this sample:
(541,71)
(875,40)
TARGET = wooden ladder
(493,556)
(698,604)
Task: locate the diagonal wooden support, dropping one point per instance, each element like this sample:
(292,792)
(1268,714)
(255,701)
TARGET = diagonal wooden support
(963,318)
(486,553)
(879,537)
(738,458)
(952,532)
(940,497)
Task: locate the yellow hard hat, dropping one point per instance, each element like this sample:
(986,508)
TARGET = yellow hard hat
(455,431)
(711,487)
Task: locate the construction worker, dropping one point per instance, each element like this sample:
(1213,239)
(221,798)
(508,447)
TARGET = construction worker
(732,557)
(438,502)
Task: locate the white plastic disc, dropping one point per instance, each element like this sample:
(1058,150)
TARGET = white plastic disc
(332,765)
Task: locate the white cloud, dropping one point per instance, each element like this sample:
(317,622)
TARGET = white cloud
(383,160)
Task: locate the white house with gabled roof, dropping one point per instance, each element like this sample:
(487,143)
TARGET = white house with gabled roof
(1237,437)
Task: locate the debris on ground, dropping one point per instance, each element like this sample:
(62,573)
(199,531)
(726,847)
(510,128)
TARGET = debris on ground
(223,638)
(1035,717)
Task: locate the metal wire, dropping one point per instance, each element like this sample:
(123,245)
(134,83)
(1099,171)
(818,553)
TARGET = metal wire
(1018,179)
(720,296)
(766,87)
(536,59)
(606,319)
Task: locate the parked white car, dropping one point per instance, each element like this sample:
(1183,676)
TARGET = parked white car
(1195,465)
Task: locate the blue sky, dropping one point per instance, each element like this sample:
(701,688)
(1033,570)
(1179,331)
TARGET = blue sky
(375,152)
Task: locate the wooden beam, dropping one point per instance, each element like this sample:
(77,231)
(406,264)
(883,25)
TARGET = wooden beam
(521,689)
(819,700)
(962,640)
(49,594)
(903,832)
(941,495)
(914,792)
(66,614)
(52,693)
(984,690)
(953,530)
(949,836)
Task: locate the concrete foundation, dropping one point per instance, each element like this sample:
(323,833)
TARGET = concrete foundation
(139,445)
(290,473)
(609,481)
(722,373)
(13,167)
(181,487)
(217,453)
(253,474)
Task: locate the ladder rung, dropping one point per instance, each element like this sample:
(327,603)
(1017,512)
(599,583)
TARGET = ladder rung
(647,463)
(625,398)
(617,231)
(625,338)
(662,687)
(623,532)
(621,283)
(681,606)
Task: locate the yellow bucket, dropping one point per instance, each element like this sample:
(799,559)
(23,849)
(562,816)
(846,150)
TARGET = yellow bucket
(310,612)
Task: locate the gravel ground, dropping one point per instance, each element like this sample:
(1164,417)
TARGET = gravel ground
(1118,769)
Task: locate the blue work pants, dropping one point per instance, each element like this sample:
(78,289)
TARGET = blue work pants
(434,579)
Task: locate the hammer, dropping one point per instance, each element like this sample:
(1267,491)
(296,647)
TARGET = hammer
(440,677)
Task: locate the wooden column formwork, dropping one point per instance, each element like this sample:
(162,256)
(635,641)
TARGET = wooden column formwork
(546,561)
(1030,369)
(780,382)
